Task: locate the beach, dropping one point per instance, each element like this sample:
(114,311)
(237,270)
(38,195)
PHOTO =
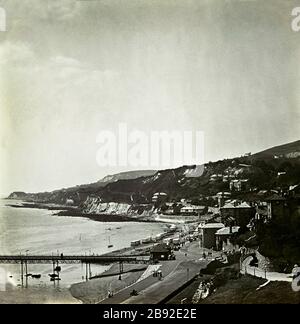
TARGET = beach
(95,290)
(39,231)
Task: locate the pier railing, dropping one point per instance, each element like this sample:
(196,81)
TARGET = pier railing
(97,259)
(56,260)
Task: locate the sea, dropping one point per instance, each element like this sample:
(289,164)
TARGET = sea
(40,231)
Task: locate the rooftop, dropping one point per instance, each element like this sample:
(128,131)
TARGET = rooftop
(294,187)
(226,230)
(192,207)
(224,193)
(160,194)
(231,205)
(211,225)
(160,248)
(244,205)
(275,197)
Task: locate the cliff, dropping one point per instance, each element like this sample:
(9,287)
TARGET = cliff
(94,205)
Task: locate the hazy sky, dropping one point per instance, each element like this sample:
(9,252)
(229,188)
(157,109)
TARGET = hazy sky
(70,69)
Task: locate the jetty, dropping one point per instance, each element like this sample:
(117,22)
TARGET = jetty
(56,260)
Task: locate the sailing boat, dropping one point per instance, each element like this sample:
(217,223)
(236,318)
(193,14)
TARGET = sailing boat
(109,243)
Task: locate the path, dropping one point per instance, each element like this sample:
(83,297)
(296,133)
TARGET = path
(271,276)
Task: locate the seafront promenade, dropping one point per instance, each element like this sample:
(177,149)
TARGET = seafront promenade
(175,274)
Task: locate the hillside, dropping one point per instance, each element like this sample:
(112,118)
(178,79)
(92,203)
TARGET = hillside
(275,167)
(290,150)
(78,193)
(245,290)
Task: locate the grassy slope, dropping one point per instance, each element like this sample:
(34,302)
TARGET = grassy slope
(243,291)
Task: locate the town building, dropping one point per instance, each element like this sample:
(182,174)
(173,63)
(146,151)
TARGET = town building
(277,206)
(69,201)
(192,210)
(294,191)
(160,252)
(239,185)
(284,204)
(159,197)
(222,197)
(216,177)
(238,214)
(207,234)
(261,212)
(223,236)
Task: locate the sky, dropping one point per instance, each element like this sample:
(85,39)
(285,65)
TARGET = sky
(71,69)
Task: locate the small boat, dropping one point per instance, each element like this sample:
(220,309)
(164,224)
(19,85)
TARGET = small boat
(109,243)
(57,269)
(36,276)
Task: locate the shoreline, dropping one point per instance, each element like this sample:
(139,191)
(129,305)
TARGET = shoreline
(105,217)
(38,295)
(72,211)
(97,288)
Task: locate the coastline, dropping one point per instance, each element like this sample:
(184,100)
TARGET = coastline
(90,291)
(104,217)
(74,211)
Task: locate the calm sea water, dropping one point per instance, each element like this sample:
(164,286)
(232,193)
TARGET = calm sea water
(38,231)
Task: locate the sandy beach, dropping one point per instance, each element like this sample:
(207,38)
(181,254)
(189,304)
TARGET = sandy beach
(95,290)
(40,295)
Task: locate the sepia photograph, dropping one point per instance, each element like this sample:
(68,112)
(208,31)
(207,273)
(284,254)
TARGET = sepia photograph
(149,154)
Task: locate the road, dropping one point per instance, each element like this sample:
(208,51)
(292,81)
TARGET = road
(175,274)
(257,272)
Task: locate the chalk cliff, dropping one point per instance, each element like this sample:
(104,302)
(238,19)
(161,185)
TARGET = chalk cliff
(94,205)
